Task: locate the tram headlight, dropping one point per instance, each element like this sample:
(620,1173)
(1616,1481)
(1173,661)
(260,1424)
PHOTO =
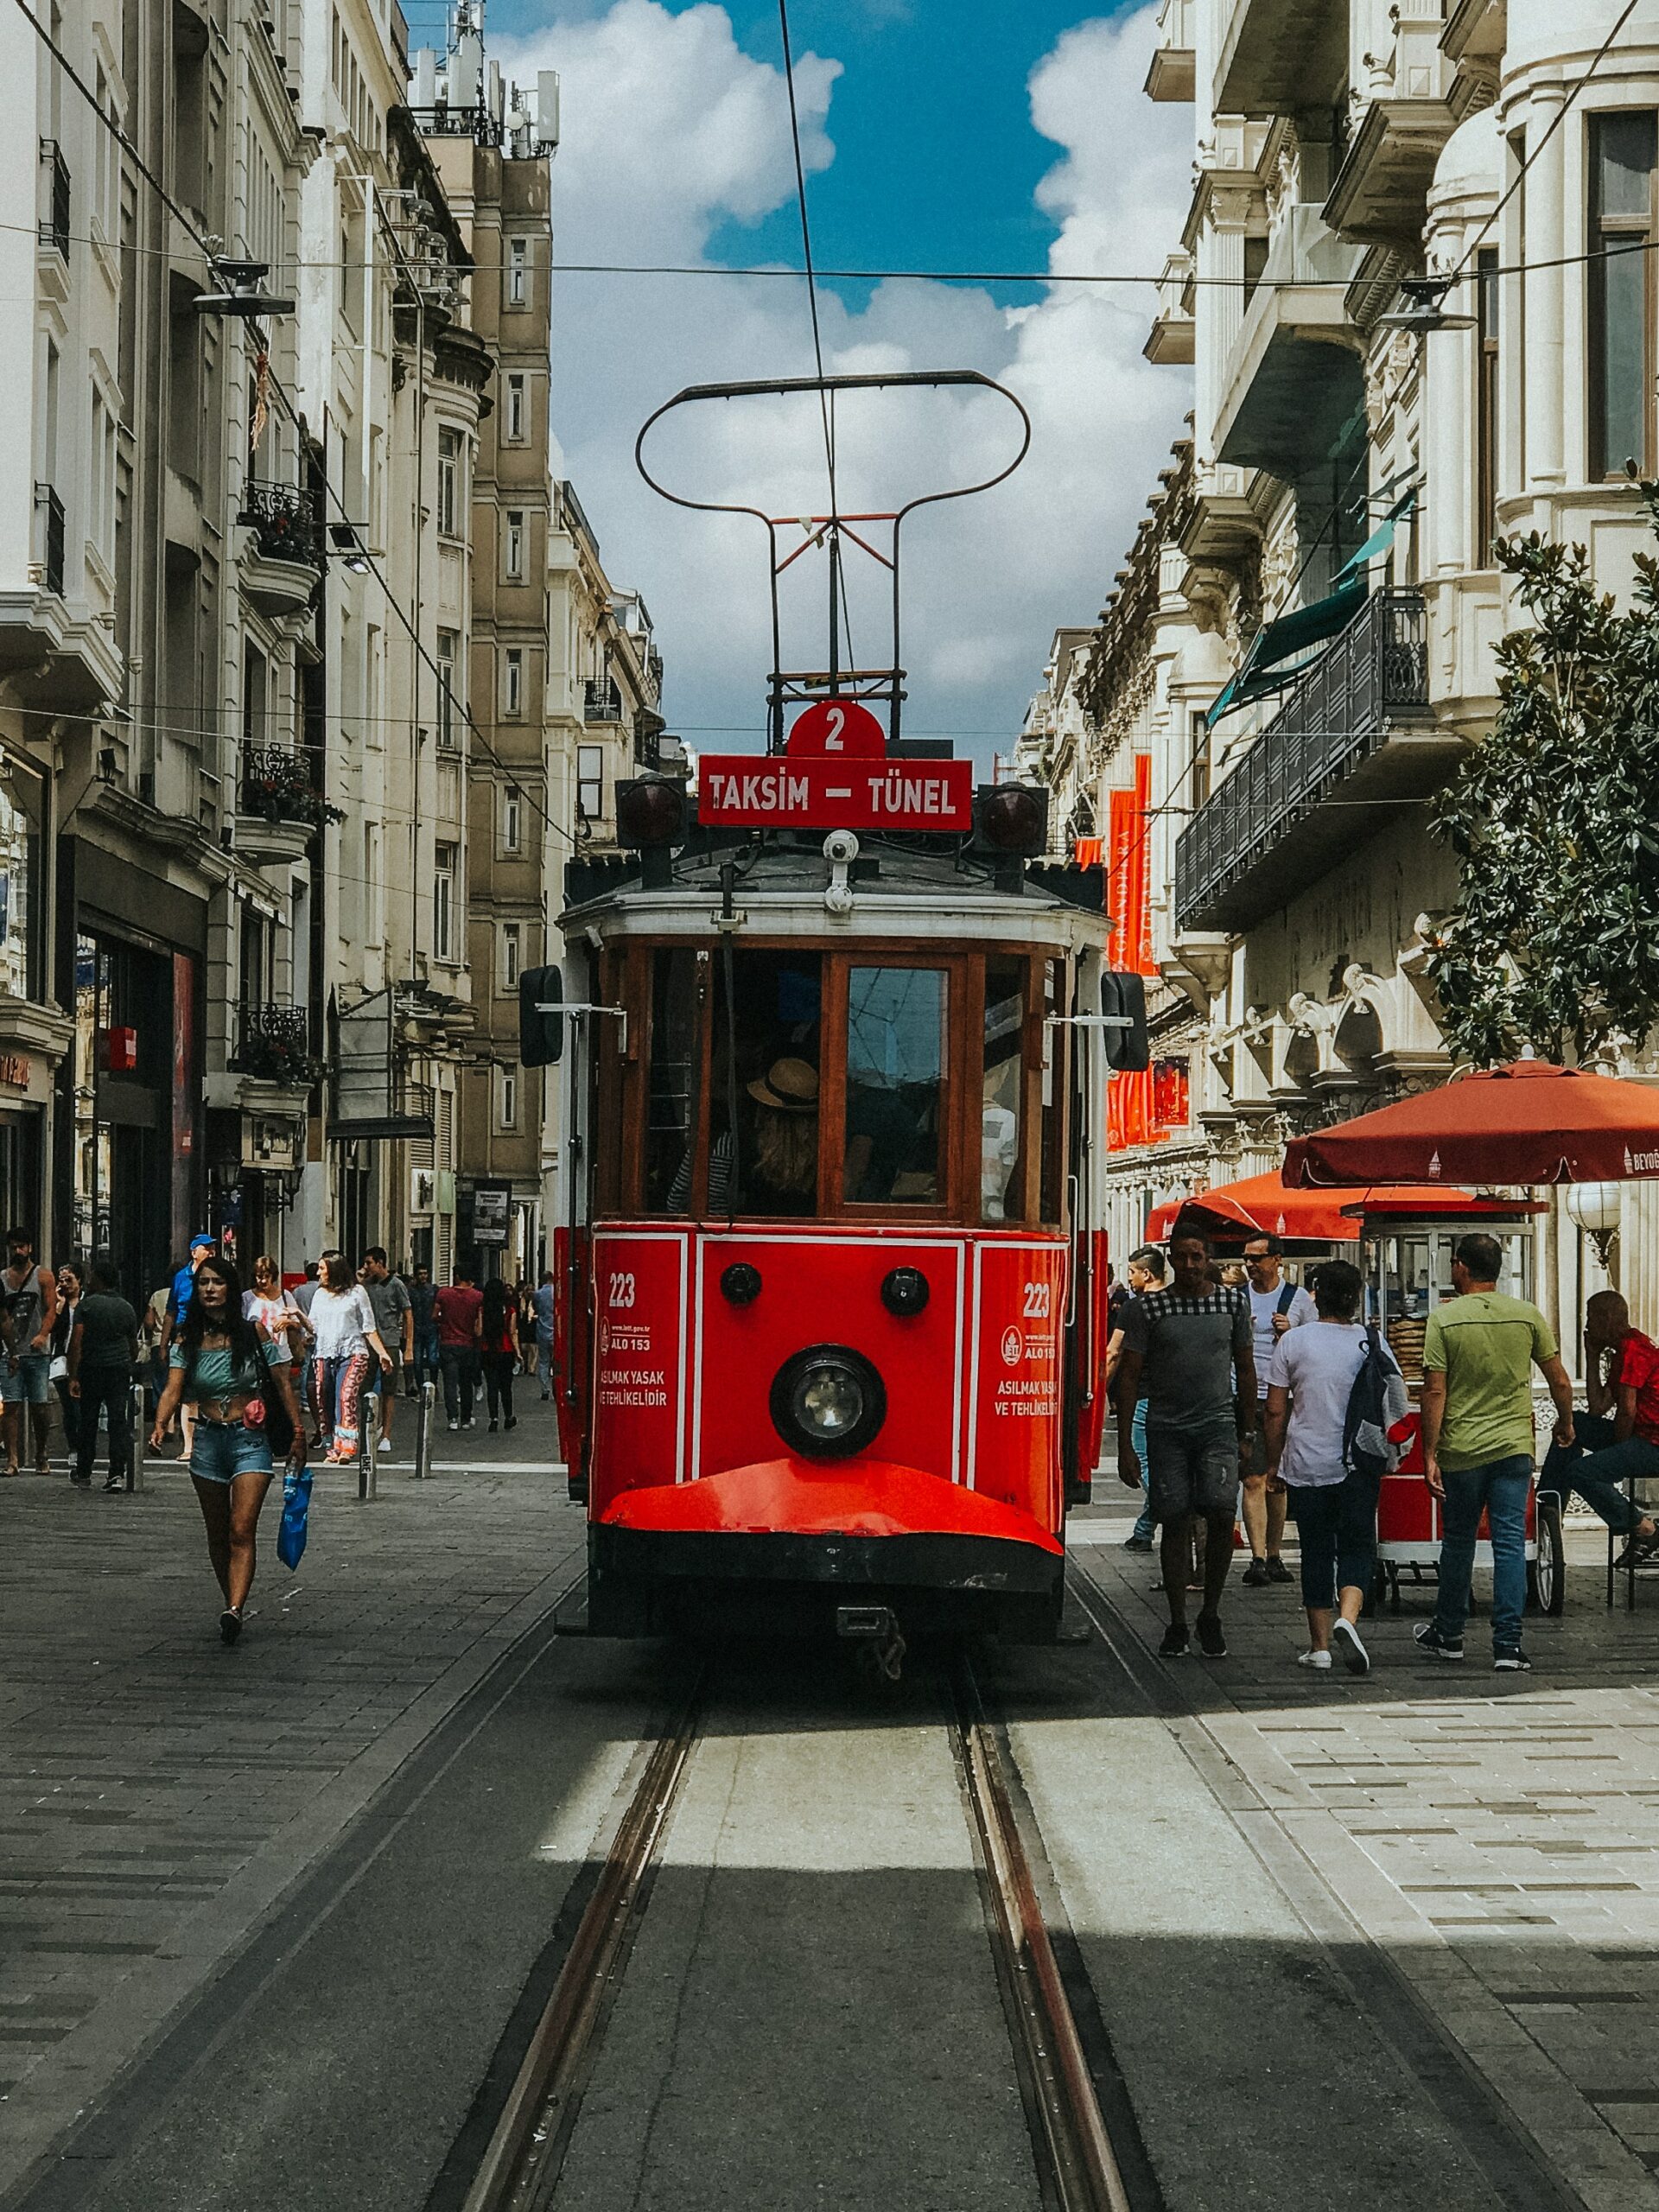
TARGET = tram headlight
(828,1402)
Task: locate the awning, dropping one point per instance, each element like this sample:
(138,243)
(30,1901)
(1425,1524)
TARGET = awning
(1266,1205)
(1276,642)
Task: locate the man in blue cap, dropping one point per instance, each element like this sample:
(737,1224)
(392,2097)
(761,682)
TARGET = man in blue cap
(178,1305)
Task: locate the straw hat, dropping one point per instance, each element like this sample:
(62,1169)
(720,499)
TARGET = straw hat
(788,1087)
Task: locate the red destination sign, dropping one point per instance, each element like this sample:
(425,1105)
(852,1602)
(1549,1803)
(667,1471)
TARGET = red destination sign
(835,775)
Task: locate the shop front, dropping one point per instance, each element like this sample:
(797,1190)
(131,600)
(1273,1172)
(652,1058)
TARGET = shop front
(255,1157)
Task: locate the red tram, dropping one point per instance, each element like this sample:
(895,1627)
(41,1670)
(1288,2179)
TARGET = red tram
(830,1264)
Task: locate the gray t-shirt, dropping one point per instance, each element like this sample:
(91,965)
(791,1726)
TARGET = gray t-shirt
(1189,1347)
(391,1301)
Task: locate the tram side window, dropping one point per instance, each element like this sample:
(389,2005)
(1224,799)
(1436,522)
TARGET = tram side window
(898,1024)
(675,1069)
(1054,1051)
(1002,1195)
(763,1110)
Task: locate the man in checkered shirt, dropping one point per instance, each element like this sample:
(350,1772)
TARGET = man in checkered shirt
(1188,1348)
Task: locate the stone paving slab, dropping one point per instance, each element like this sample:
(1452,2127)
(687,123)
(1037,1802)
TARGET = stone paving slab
(1498,1836)
(158,1792)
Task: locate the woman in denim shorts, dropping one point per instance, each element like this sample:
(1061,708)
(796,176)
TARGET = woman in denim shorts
(239,1382)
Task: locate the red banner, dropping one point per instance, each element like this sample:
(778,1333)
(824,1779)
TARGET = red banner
(1132,1115)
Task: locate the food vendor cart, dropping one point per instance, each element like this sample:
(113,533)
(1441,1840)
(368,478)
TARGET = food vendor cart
(1406,1239)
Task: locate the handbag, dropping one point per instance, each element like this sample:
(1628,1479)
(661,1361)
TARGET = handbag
(296,1506)
(58,1370)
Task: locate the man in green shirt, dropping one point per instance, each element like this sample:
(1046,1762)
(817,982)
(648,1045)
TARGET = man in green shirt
(1478,1354)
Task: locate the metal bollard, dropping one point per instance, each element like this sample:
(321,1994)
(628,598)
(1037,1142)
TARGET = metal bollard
(425,1415)
(140,1438)
(368,1423)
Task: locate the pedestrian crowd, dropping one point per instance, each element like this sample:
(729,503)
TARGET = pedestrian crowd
(249,1379)
(1244,1406)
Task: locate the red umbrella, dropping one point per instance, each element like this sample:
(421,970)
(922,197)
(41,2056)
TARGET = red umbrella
(1528,1122)
(1264,1205)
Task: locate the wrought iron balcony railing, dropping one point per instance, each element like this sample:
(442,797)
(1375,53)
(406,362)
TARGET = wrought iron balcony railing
(54,220)
(50,507)
(1333,718)
(273,1043)
(601,702)
(279,785)
(283,520)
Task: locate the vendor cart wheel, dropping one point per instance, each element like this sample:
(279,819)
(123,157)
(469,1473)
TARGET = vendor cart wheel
(1546,1576)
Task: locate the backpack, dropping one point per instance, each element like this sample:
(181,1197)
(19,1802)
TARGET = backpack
(1376,1403)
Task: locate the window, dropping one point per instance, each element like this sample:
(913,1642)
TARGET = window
(513,434)
(1001,1196)
(512,819)
(590,781)
(1488,404)
(507,1098)
(443,902)
(511,956)
(447,641)
(448,481)
(512,683)
(517,272)
(678,985)
(1255,261)
(1200,764)
(1622,232)
(515,545)
(897,1036)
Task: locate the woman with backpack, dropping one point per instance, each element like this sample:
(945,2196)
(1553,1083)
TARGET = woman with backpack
(247,1417)
(1332,1490)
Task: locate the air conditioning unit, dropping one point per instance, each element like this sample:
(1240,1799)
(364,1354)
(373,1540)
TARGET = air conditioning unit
(422,1190)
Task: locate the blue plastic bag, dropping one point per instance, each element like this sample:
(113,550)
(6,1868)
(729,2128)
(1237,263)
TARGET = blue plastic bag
(296,1504)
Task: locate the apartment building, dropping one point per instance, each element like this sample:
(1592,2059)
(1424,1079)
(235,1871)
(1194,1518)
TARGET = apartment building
(1328,603)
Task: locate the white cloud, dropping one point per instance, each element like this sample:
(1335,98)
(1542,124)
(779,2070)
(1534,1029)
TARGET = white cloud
(671,130)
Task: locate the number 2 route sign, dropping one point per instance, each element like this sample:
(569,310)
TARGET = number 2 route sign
(835,774)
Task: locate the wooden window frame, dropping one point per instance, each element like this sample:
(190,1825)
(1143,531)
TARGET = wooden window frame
(1489,401)
(622,1095)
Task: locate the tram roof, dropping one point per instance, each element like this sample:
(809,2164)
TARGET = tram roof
(927,888)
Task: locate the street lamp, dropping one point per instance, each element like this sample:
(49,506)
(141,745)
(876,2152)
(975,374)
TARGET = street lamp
(1595,1208)
(1423,313)
(240,295)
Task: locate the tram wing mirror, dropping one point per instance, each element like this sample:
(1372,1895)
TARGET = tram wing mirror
(540,1020)
(1123,1006)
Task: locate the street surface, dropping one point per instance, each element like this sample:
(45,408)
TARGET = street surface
(277,1922)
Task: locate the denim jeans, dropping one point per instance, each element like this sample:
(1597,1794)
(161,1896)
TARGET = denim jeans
(1596,1468)
(458,1380)
(1337,1523)
(1499,1488)
(544,1361)
(427,1363)
(1144,1527)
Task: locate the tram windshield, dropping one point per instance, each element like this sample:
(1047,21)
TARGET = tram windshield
(775,1082)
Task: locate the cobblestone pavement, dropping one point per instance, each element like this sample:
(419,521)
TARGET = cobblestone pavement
(1497,1836)
(158,1793)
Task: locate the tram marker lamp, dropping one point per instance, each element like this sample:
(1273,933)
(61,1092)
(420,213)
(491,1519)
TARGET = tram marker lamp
(541,1023)
(905,1291)
(1123,1000)
(739,1284)
(651,820)
(1010,828)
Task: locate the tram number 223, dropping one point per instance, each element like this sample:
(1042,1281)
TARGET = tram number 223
(1036,1298)
(619,1296)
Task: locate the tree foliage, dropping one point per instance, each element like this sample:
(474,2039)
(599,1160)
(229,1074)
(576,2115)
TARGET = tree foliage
(1555,819)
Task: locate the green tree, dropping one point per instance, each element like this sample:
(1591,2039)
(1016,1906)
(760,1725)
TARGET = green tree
(1555,819)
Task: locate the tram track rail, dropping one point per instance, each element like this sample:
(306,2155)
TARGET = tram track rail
(1078,2167)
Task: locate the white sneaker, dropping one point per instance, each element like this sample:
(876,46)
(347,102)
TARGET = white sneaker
(385,1444)
(1319,1659)
(455,1425)
(1355,1657)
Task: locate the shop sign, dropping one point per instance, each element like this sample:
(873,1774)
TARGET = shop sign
(271,1141)
(492,1210)
(14,1069)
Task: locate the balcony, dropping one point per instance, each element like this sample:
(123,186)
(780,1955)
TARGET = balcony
(1293,378)
(49,538)
(279,808)
(284,559)
(54,200)
(1305,790)
(273,1044)
(1170,342)
(1172,72)
(601,702)
(1279,55)
(1380,192)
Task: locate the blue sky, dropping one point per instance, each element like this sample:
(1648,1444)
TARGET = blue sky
(936,158)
